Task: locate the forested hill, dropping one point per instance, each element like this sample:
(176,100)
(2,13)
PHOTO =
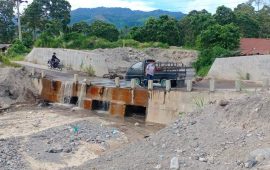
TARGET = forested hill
(120,17)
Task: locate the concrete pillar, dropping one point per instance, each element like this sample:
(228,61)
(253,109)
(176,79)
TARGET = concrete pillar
(168,85)
(189,85)
(75,78)
(266,84)
(150,85)
(33,71)
(43,74)
(117,82)
(212,85)
(238,85)
(133,83)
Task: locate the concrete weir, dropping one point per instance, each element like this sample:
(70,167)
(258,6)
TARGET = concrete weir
(116,100)
(159,106)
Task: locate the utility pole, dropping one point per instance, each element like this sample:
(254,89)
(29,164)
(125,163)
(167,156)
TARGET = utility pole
(18,2)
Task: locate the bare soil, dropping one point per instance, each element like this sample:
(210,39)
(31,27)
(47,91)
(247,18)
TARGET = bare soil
(33,137)
(228,137)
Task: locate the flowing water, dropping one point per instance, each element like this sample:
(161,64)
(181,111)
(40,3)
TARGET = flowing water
(82,95)
(66,92)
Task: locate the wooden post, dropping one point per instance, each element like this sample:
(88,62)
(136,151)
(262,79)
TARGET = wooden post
(189,85)
(133,83)
(150,85)
(212,85)
(33,71)
(168,85)
(75,78)
(117,82)
(43,74)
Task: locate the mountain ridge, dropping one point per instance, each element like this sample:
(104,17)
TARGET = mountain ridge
(120,17)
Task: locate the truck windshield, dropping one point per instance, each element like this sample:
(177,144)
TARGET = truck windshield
(137,66)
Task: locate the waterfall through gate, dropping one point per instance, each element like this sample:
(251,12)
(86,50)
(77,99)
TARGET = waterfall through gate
(66,92)
(82,95)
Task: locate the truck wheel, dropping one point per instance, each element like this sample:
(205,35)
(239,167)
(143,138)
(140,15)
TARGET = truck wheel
(163,82)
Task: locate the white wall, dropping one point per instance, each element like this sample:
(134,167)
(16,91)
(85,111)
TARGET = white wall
(76,59)
(233,68)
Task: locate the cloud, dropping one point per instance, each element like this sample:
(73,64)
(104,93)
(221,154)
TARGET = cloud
(149,5)
(134,5)
(211,5)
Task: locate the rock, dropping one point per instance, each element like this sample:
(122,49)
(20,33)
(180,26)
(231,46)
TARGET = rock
(193,122)
(203,159)
(248,135)
(260,158)
(261,153)
(67,150)
(54,150)
(223,103)
(163,146)
(174,163)
(158,166)
(136,124)
(250,163)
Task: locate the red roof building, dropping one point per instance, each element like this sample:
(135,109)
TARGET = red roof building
(254,46)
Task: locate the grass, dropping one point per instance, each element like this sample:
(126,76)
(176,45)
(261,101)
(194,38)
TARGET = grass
(6,61)
(17,58)
(199,102)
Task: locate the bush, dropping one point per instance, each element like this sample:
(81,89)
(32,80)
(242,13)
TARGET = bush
(207,57)
(5,60)
(89,70)
(17,48)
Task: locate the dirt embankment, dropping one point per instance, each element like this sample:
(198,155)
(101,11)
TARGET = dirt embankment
(228,135)
(15,87)
(119,59)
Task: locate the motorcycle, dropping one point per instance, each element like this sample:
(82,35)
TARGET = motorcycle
(59,66)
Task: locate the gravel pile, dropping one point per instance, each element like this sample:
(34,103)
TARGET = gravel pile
(119,59)
(49,145)
(15,86)
(227,136)
(10,157)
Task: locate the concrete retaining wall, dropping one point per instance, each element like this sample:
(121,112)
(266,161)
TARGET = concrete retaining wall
(74,59)
(258,67)
(165,108)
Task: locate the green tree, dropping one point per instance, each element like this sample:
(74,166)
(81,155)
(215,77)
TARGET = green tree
(41,12)
(227,37)
(207,57)
(7,27)
(224,15)
(81,27)
(104,30)
(193,24)
(245,19)
(264,22)
(164,29)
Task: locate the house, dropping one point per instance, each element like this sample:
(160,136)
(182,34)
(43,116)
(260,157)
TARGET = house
(254,46)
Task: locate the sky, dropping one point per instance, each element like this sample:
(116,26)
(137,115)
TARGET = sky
(149,5)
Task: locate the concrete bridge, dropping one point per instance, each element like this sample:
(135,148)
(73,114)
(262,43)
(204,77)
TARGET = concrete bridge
(158,105)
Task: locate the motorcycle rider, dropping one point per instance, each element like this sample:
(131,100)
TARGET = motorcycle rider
(55,61)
